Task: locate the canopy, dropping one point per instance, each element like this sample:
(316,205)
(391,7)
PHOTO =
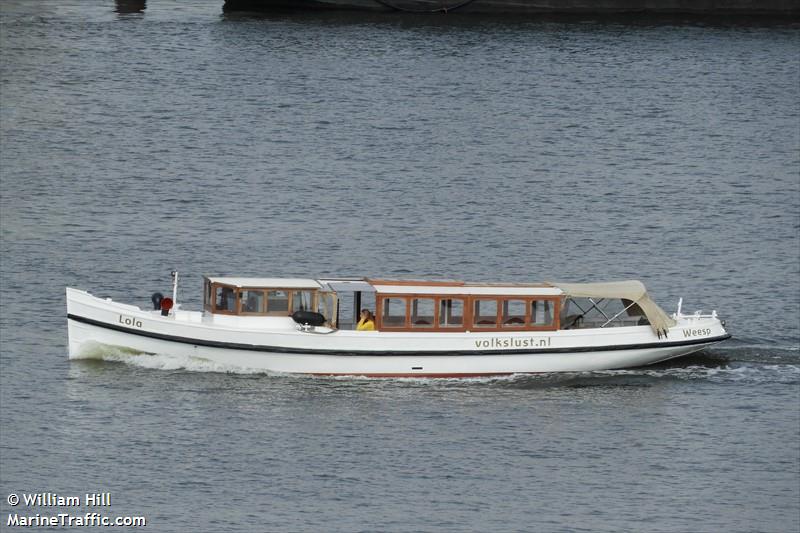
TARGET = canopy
(633,290)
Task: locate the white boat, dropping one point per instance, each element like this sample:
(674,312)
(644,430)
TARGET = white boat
(422,328)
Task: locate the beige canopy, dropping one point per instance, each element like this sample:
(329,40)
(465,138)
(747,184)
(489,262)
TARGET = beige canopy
(629,290)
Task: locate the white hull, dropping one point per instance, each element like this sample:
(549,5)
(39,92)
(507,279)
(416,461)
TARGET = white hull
(275,345)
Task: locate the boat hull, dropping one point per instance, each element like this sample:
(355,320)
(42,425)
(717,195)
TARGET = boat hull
(412,365)
(94,323)
(539,7)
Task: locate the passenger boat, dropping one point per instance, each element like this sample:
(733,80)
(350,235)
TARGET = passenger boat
(422,328)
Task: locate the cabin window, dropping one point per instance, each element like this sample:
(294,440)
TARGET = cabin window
(302,301)
(451,313)
(542,313)
(326,305)
(225,299)
(513,313)
(422,310)
(252,301)
(485,314)
(277,302)
(393,314)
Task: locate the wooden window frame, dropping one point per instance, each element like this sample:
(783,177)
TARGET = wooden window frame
(288,311)
(319,294)
(241,310)
(554,325)
(211,306)
(526,321)
(314,299)
(435,319)
(235,289)
(497,313)
(465,312)
(379,315)
(469,309)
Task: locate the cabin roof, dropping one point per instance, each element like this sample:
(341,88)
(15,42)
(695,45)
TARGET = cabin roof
(385,286)
(278,283)
(472,289)
(345,285)
(460,287)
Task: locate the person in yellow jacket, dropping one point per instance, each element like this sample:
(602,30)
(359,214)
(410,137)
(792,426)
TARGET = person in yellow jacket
(367,322)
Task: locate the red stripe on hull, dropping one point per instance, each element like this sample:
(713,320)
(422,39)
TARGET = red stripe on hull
(422,375)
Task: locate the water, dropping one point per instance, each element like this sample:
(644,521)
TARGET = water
(443,147)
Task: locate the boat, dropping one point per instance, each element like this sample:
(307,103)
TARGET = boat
(421,328)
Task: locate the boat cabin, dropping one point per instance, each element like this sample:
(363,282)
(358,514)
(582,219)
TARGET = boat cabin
(399,305)
(437,306)
(266,296)
(458,306)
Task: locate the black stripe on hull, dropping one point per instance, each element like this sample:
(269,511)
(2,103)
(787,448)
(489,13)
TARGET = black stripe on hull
(283,349)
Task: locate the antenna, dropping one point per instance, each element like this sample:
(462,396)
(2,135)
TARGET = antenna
(174,275)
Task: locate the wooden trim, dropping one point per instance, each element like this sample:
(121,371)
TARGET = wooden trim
(264,290)
(408,282)
(467,318)
(234,289)
(422,328)
(526,319)
(497,313)
(334,311)
(313,299)
(242,312)
(288,311)
(464,312)
(555,324)
(408,327)
(469,313)
(379,299)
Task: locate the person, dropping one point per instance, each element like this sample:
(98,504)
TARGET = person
(367,322)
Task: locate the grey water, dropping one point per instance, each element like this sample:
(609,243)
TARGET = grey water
(179,137)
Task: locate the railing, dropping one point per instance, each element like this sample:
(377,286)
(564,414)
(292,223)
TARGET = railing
(677,315)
